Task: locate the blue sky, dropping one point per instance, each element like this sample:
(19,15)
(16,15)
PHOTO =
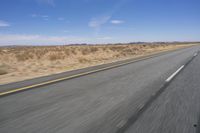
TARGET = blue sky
(44,22)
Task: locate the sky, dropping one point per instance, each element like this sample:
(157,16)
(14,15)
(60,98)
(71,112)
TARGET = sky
(55,22)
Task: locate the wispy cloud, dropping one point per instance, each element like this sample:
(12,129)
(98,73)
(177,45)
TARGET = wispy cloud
(105,38)
(34,15)
(61,18)
(44,17)
(48,2)
(99,21)
(116,21)
(18,39)
(24,39)
(39,15)
(4,24)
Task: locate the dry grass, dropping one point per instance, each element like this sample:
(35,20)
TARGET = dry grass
(28,62)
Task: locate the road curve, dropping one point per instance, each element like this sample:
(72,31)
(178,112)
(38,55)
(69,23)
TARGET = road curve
(100,102)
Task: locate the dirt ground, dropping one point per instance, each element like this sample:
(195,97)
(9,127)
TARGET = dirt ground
(20,63)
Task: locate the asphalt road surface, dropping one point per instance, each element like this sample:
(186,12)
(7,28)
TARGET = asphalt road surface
(177,109)
(123,99)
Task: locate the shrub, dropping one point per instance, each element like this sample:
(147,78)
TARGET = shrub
(23,56)
(93,49)
(56,56)
(83,60)
(2,72)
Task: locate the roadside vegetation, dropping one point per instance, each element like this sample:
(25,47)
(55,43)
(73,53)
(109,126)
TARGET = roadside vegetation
(19,63)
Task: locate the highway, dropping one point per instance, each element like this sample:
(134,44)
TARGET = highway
(177,109)
(154,95)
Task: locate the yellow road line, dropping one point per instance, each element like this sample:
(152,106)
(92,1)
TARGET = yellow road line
(76,75)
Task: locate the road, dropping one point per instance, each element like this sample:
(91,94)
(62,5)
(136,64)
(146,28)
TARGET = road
(104,102)
(177,109)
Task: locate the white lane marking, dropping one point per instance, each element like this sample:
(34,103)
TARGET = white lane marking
(174,74)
